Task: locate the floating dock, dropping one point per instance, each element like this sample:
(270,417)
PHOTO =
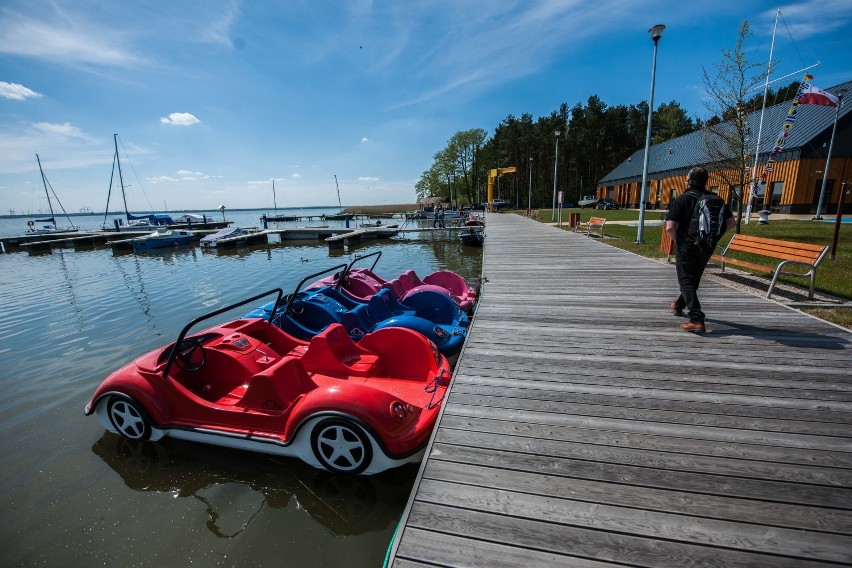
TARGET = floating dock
(335,237)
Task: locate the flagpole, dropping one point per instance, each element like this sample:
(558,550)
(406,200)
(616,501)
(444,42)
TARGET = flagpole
(818,215)
(752,193)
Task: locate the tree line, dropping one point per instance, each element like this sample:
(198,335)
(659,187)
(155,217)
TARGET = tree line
(593,138)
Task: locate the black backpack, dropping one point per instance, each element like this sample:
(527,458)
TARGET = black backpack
(707,223)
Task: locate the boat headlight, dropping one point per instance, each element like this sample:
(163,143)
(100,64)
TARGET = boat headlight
(399,411)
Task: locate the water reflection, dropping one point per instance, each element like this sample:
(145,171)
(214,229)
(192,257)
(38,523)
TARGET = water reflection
(141,296)
(235,486)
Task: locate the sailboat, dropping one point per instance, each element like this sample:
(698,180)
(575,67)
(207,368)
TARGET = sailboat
(148,222)
(276,216)
(340,215)
(51,226)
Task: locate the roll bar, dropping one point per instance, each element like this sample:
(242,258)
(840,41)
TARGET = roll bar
(173,353)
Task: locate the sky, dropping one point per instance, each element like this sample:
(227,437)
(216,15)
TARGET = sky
(212,100)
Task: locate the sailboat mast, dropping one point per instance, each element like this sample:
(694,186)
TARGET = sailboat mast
(762,110)
(46,193)
(120,178)
(338,192)
(274,202)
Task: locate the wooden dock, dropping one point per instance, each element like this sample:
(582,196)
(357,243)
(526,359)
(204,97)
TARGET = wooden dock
(584,428)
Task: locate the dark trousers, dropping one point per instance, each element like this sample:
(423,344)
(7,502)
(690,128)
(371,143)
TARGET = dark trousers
(690,263)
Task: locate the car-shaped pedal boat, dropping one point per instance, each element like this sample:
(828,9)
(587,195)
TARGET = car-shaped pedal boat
(246,384)
(307,313)
(361,283)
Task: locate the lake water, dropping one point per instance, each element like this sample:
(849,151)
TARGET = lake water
(73,495)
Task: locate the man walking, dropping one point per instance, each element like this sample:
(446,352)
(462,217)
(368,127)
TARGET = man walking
(692,256)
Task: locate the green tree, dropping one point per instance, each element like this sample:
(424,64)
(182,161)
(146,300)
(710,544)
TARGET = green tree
(728,139)
(671,121)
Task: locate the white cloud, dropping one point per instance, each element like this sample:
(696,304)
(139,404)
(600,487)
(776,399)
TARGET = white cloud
(161,179)
(189,175)
(180,119)
(64,129)
(63,36)
(813,17)
(15,91)
(183,175)
(368,179)
(364,140)
(296,176)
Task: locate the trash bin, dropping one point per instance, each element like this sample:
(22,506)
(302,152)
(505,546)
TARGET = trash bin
(573,220)
(763,217)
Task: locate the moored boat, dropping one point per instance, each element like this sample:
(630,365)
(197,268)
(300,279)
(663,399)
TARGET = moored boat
(163,238)
(307,313)
(472,237)
(345,407)
(226,233)
(49,225)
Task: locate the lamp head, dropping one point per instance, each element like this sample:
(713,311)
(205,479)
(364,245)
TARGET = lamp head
(557,133)
(657,32)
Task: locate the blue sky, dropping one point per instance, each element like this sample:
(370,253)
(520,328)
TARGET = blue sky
(213,99)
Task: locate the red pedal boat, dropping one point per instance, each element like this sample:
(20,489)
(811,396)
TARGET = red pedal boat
(346,407)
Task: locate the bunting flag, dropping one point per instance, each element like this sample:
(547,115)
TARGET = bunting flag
(807,95)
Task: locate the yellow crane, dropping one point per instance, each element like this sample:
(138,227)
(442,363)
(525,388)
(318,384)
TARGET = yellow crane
(493,175)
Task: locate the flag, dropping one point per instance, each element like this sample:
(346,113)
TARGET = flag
(811,95)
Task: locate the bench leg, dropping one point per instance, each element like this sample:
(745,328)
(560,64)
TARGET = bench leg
(772,284)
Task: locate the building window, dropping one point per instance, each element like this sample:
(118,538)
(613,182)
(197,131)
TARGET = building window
(777,190)
(735,196)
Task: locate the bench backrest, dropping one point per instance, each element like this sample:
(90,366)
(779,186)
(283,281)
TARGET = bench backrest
(784,250)
(597,220)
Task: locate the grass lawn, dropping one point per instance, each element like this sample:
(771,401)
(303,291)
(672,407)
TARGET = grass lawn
(833,277)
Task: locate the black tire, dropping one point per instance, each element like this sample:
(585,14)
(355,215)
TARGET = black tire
(341,446)
(128,418)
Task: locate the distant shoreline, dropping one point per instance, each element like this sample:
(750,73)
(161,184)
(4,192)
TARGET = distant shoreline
(350,209)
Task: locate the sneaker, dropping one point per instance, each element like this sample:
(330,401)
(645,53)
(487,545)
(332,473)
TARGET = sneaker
(675,310)
(694,327)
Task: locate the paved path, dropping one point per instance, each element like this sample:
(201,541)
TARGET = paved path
(584,428)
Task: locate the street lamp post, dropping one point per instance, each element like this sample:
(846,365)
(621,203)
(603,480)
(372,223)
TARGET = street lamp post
(555,164)
(656,32)
(529,195)
(818,215)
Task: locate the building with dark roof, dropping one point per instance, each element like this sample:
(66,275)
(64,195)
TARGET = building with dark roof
(793,184)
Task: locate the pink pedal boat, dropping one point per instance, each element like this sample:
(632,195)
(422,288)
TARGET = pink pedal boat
(361,284)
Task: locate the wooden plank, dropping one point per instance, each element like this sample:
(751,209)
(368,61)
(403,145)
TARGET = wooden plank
(616,547)
(584,428)
(667,500)
(648,520)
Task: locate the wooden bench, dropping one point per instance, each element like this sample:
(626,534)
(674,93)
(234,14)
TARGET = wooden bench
(596,223)
(532,213)
(787,252)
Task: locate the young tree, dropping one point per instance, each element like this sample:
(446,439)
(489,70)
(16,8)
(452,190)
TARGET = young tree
(727,139)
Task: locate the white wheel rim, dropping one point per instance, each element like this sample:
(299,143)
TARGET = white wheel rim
(341,447)
(127,420)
